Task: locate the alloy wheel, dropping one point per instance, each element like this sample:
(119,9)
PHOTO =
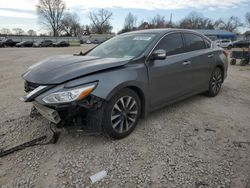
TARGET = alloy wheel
(124,114)
(217,81)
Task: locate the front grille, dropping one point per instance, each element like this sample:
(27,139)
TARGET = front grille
(28,86)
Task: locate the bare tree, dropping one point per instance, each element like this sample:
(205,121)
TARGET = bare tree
(196,21)
(5,31)
(231,24)
(85,30)
(248,18)
(31,32)
(130,22)
(51,14)
(158,21)
(18,31)
(71,24)
(143,25)
(101,21)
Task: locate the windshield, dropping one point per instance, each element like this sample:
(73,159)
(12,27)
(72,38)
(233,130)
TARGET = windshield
(123,46)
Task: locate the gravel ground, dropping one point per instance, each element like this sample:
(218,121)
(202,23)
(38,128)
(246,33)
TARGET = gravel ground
(188,144)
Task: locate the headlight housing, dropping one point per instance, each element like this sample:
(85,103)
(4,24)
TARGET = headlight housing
(69,95)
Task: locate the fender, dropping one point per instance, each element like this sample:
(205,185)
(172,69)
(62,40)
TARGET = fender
(132,75)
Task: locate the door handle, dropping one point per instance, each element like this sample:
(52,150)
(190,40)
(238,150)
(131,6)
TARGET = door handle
(210,55)
(186,63)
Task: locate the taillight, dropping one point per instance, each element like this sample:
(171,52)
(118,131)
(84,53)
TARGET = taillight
(225,53)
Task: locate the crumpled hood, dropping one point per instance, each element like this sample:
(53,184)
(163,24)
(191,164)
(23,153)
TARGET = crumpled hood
(58,69)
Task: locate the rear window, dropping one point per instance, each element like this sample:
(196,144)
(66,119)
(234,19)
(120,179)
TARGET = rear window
(194,42)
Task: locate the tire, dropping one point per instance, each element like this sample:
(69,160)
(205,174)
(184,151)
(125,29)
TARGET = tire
(215,82)
(233,62)
(121,114)
(229,47)
(243,62)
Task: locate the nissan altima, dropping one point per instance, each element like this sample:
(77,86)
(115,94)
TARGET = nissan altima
(109,88)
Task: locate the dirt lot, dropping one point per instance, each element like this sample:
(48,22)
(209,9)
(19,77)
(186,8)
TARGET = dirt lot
(188,144)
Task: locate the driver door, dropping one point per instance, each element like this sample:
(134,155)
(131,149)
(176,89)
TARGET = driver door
(170,77)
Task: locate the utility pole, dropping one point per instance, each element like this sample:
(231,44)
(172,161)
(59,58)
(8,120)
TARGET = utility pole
(170,21)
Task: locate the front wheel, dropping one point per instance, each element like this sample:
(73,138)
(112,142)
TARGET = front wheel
(215,82)
(122,114)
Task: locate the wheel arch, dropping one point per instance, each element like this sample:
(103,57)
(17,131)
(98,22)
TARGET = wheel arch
(141,95)
(222,70)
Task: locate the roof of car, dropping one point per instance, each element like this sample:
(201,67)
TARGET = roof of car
(159,31)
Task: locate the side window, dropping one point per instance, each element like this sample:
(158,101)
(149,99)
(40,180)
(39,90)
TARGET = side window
(193,42)
(172,43)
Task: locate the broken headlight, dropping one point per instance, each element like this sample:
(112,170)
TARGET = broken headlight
(70,95)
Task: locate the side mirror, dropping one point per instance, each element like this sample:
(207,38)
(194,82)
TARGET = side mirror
(159,54)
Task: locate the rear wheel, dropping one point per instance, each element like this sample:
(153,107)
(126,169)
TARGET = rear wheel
(122,114)
(215,82)
(243,62)
(233,62)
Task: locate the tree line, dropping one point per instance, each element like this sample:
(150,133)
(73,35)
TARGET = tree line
(55,18)
(193,20)
(17,31)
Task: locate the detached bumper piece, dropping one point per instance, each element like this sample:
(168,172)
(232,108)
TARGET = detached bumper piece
(50,114)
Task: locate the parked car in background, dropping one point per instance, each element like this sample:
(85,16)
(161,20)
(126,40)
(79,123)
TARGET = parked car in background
(8,43)
(88,42)
(111,86)
(45,43)
(241,44)
(25,44)
(61,44)
(96,41)
(225,43)
(37,44)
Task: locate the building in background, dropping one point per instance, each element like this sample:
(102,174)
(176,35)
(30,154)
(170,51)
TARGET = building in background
(215,34)
(247,35)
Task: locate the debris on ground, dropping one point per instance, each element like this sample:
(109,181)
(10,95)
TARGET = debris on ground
(208,129)
(98,176)
(241,144)
(34,142)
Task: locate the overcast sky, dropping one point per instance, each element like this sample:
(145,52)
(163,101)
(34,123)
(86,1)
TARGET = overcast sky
(22,13)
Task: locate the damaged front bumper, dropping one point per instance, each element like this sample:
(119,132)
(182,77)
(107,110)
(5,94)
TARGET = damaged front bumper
(50,114)
(71,113)
(76,112)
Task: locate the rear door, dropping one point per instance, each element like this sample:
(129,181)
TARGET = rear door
(169,78)
(200,54)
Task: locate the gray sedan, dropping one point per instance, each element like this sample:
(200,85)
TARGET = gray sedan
(110,87)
